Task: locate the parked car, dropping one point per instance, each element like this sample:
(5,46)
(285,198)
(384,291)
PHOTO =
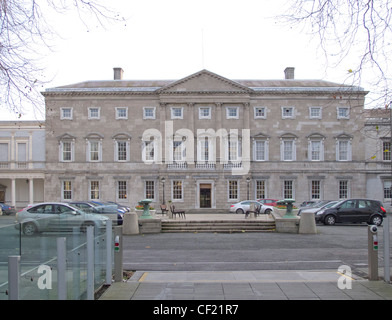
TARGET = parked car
(120,206)
(6,209)
(269,202)
(96,208)
(244,206)
(353,210)
(56,216)
(308,203)
(316,206)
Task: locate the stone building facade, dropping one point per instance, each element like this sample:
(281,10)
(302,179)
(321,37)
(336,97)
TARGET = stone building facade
(204,141)
(22,162)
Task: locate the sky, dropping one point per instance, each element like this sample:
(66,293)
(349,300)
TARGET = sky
(173,39)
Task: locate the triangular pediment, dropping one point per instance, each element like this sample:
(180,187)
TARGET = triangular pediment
(204,82)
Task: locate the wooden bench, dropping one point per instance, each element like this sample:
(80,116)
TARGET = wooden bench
(178,212)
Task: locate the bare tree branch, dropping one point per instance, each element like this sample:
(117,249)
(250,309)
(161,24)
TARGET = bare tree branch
(24,34)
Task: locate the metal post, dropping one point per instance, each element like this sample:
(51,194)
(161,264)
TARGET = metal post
(90,263)
(387,272)
(61,268)
(118,255)
(109,252)
(373,252)
(13,277)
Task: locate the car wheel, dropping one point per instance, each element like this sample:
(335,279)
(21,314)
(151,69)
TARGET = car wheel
(330,220)
(239,211)
(268,211)
(376,220)
(29,229)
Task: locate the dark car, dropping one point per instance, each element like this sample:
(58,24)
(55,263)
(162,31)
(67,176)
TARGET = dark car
(353,210)
(6,209)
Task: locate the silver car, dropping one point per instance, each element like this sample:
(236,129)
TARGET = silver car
(56,216)
(244,206)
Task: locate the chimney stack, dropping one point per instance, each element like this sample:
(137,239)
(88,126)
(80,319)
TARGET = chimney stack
(289,73)
(118,73)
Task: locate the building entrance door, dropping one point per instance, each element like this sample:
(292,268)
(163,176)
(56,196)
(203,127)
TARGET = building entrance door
(205,195)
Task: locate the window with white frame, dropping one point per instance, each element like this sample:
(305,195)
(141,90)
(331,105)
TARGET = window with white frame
(387,189)
(149,112)
(94,113)
(122,189)
(66,151)
(260,150)
(204,113)
(260,113)
(344,189)
(232,113)
(233,190)
(316,150)
(233,149)
(21,149)
(4,152)
(66,190)
(203,149)
(315,113)
(343,112)
(315,189)
(179,151)
(66,113)
(121,113)
(261,189)
(288,113)
(94,150)
(148,151)
(149,189)
(177,190)
(288,189)
(177,112)
(122,150)
(343,150)
(288,150)
(386,150)
(94,190)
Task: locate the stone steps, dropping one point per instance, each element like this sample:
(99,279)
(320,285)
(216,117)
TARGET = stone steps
(217,226)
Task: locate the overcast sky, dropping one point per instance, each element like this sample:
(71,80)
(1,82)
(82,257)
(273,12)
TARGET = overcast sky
(172,39)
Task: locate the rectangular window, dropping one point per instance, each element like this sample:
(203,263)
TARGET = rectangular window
(343,150)
(315,113)
(121,113)
(387,189)
(288,189)
(233,190)
(316,189)
(149,189)
(288,150)
(66,113)
(386,148)
(260,189)
(22,152)
(121,150)
(121,190)
(67,151)
(94,150)
(149,113)
(315,150)
(176,113)
(287,112)
(260,113)
(343,113)
(260,150)
(177,190)
(149,151)
(94,190)
(232,113)
(67,190)
(204,113)
(343,189)
(93,113)
(4,152)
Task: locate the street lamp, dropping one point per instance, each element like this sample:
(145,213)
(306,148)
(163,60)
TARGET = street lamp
(163,183)
(248,183)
